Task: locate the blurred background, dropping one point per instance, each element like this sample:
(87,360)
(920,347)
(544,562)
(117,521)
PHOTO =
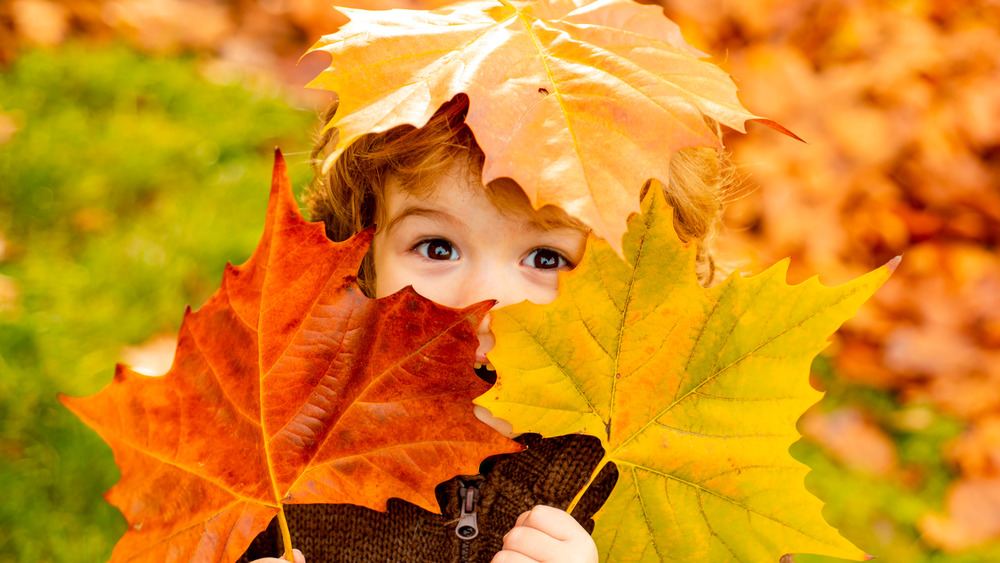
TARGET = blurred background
(135,155)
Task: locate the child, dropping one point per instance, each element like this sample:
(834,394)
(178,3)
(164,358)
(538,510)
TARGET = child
(457,243)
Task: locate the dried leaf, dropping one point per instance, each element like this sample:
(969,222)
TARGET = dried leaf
(852,439)
(41,22)
(973,516)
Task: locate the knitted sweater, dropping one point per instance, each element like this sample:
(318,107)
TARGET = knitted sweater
(549,471)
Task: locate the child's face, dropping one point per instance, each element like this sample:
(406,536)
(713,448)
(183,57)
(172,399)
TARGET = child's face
(456,248)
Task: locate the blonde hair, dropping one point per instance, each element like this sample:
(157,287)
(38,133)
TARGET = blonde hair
(350,195)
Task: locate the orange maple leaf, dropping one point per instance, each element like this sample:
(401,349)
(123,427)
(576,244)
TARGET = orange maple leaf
(290,386)
(580,102)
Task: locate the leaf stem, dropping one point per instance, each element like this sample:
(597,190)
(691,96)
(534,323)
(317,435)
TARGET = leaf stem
(579,495)
(286,537)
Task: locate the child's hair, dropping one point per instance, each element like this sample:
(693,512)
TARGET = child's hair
(349,196)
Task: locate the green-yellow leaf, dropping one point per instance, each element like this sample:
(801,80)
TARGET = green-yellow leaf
(694,393)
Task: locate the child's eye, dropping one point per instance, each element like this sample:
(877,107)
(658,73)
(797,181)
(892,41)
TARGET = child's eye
(437,249)
(546,259)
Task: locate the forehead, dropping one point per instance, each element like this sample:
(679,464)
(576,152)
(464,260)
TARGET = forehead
(458,188)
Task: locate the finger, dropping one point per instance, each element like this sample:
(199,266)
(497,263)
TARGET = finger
(512,557)
(532,543)
(552,521)
(296,554)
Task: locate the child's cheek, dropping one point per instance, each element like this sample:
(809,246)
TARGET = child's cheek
(542,286)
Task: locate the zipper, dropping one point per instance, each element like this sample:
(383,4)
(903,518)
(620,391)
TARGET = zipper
(468,523)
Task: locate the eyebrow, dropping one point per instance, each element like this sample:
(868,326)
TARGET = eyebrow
(534,224)
(417,211)
(549,225)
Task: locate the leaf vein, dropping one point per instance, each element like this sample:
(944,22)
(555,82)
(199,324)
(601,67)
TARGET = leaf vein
(207,479)
(645,514)
(721,436)
(139,554)
(559,365)
(732,501)
(743,399)
(708,524)
(218,379)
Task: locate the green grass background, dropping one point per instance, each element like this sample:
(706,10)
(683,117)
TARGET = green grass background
(130,182)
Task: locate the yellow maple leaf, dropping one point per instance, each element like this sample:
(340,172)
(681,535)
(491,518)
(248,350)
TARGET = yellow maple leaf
(693,392)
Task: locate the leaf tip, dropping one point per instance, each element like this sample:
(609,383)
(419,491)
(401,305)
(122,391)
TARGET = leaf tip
(482,307)
(279,165)
(65,399)
(121,372)
(364,238)
(780,268)
(893,264)
(779,128)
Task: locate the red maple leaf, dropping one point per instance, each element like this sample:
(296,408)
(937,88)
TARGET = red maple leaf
(290,386)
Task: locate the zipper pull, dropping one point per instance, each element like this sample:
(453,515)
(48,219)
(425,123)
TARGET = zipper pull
(468,523)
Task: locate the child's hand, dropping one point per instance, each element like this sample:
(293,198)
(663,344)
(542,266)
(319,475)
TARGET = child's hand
(299,558)
(547,535)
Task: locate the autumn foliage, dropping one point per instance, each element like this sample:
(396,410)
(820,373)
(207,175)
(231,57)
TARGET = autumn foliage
(693,393)
(899,102)
(290,386)
(578,105)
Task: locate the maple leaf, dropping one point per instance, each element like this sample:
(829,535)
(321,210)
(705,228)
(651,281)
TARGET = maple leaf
(693,392)
(580,102)
(290,386)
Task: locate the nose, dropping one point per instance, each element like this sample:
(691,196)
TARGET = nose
(486,339)
(488,283)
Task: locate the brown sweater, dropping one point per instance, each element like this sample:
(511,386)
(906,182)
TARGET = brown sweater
(549,471)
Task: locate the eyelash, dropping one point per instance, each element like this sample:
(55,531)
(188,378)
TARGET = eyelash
(422,247)
(562,264)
